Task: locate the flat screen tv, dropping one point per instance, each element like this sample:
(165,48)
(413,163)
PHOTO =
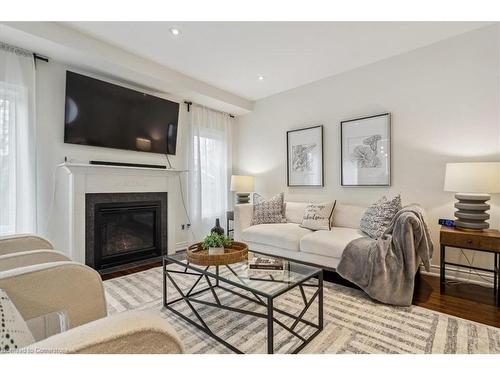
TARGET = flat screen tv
(98,113)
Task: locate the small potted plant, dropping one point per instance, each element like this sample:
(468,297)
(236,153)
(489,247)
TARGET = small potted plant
(215,243)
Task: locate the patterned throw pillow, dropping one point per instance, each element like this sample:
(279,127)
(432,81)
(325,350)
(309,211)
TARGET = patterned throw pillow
(318,216)
(268,211)
(14,332)
(379,215)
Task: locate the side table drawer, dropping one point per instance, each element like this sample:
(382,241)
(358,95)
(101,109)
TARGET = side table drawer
(461,241)
(468,241)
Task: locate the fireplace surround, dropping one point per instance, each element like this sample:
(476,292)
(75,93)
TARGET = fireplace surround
(124,229)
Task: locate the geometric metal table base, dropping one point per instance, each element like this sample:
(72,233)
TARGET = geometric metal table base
(259,298)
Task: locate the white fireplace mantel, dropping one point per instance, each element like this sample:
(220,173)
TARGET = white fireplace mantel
(74,180)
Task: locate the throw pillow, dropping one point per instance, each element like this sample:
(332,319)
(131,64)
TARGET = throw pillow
(14,332)
(379,215)
(318,216)
(268,211)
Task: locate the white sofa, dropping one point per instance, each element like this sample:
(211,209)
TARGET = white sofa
(288,240)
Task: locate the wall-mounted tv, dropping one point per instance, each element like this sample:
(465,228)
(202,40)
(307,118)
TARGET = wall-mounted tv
(98,113)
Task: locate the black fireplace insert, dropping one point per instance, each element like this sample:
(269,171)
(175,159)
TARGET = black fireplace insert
(124,232)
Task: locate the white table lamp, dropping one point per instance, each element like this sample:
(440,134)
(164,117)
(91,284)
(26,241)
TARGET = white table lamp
(242,185)
(472,183)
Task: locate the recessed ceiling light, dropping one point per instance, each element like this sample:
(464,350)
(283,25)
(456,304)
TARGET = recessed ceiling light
(174,31)
(260,78)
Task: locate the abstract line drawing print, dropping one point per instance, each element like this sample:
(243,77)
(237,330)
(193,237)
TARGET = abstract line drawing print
(366,155)
(302,157)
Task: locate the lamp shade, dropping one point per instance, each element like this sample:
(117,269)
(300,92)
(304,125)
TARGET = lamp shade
(242,183)
(472,177)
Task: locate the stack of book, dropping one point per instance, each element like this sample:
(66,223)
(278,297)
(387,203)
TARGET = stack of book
(264,267)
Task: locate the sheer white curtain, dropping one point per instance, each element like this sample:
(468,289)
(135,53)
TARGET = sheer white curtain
(209,167)
(17,141)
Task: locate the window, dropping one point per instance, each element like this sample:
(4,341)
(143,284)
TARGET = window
(7,164)
(17,141)
(211,155)
(209,167)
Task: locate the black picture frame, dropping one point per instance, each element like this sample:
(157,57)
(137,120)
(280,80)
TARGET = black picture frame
(342,124)
(322,184)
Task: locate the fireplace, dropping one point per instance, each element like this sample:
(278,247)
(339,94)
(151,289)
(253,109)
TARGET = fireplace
(124,229)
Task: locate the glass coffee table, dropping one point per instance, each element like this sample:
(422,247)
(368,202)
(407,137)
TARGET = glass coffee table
(261,291)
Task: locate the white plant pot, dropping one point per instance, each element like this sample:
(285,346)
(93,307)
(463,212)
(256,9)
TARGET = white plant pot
(216,250)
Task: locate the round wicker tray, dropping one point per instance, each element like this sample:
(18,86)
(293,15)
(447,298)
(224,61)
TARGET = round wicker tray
(235,253)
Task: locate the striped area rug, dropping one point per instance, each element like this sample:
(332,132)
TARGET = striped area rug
(353,322)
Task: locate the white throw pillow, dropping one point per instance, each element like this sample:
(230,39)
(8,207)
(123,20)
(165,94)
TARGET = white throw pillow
(318,216)
(14,332)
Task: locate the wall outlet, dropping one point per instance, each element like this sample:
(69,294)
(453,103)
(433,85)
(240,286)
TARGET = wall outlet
(188,226)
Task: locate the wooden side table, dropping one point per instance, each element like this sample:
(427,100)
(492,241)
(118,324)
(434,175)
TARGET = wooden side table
(487,241)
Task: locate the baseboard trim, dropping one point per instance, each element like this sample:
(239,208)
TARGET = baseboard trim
(461,274)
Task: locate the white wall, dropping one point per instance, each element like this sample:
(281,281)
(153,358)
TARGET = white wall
(51,149)
(444,101)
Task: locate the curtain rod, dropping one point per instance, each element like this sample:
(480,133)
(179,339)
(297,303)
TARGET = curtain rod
(23,52)
(14,49)
(36,56)
(189,104)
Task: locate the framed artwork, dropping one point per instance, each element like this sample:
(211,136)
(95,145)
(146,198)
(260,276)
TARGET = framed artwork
(366,151)
(305,156)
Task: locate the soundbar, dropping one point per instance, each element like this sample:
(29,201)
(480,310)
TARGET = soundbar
(118,164)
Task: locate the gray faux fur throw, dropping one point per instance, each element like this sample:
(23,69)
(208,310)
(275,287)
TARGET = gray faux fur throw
(385,268)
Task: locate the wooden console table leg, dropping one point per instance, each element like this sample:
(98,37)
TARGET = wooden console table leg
(442,268)
(497,276)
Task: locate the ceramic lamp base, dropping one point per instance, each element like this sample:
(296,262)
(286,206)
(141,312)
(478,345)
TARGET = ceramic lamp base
(242,198)
(471,211)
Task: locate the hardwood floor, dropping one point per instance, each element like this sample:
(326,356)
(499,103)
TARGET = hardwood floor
(467,301)
(129,271)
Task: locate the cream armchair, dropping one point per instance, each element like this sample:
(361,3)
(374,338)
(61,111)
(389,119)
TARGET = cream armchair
(22,242)
(58,286)
(26,250)
(126,333)
(77,290)
(30,258)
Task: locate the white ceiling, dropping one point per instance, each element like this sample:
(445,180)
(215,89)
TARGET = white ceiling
(231,55)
